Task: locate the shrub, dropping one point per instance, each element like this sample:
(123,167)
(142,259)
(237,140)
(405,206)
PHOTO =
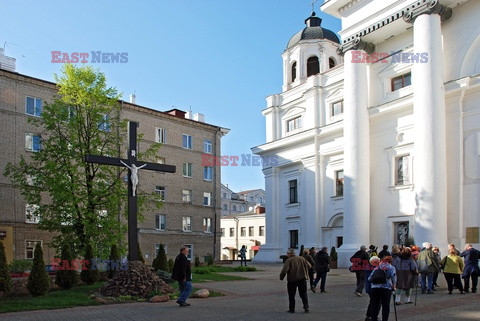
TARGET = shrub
(165,276)
(171,263)
(88,275)
(160,262)
(409,241)
(38,280)
(6,284)
(197,261)
(20,266)
(140,255)
(244,269)
(114,256)
(66,278)
(203,270)
(333,254)
(209,260)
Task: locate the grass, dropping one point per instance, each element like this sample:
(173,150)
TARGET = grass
(77,296)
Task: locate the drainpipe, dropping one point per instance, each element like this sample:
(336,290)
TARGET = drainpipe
(236,234)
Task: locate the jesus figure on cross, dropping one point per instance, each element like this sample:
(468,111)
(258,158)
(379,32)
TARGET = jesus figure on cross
(133,175)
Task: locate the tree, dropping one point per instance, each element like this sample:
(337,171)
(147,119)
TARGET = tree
(89,275)
(140,254)
(160,262)
(6,284)
(114,256)
(76,198)
(38,281)
(333,254)
(66,278)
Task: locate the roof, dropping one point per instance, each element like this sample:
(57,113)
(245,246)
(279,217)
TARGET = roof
(313,30)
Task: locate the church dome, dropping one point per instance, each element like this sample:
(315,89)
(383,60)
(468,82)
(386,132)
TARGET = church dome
(313,31)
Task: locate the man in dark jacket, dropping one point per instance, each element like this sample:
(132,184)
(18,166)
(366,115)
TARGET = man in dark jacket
(359,260)
(322,266)
(471,257)
(384,252)
(183,275)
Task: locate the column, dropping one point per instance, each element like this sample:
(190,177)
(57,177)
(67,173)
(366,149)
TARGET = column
(356,135)
(430,163)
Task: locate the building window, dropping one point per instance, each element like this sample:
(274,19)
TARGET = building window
(252,199)
(225,207)
(190,251)
(260,200)
(293,191)
(331,62)
(242,208)
(160,222)
(207,225)
(294,239)
(33,142)
(313,67)
(401,81)
(224,195)
(294,123)
(234,208)
(250,231)
(207,146)
(31,213)
(33,106)
(30,249)
(187,170)
(339,183)
(208,173)
(160,192)
(187,141)
(337,108)
(186,223)
(232,232)
(402,171)
(157,248)
(243,231)
(207,199)
(161,135)
(222,231)
(104,123)
(187,196)
(261,231)
(294,71)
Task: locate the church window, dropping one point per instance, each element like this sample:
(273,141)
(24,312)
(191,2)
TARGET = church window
(294,71)
(331,62)
(402,176)
(294,123)
(401,81)
(337,108)
(339,183)
(294,239)
(313,66)
(293,191)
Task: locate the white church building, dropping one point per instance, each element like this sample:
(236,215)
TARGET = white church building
(377,136)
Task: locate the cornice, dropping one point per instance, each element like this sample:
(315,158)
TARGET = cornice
(427,7)
(356,44)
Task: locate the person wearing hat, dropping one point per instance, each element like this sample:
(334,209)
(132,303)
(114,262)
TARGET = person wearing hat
(372,250)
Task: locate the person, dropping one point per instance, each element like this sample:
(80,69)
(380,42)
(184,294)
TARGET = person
(381,290)
(427,265)
(395,251)
(359,259)
(306,255)
(452,269)
(322,267)
(243,255)
(384,252)
(471,270)
(372,251)
(296,270)
(406,269)
(374,262)
(415,252)
(183,275)
(451,247)
(436,251)
(133,175)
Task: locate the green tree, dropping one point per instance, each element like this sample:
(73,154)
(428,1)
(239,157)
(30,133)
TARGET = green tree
(160,262)
(38,281)
(6,284)
(67,277)
(75,198)
(89,275)
(114,257)
(333,254)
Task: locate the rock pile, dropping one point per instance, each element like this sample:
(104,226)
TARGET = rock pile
(137,280)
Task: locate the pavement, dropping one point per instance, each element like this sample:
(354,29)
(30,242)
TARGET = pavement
(264,297)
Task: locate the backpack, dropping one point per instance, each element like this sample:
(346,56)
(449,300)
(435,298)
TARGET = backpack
(423,262)
(379,276)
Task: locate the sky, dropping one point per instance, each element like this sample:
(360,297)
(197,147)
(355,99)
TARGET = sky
(218,58)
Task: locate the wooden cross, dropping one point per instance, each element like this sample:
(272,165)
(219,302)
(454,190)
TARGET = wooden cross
(133,165)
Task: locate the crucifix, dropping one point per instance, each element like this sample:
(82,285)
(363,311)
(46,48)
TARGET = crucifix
(133,165)
(313,5)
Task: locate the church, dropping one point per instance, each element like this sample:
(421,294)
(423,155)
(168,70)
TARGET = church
(377,130)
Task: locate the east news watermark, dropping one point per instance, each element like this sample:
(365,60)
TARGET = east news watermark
(398,57)
(239,160)
(94,57)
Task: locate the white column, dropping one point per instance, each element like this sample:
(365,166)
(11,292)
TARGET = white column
(430,165)
(356,192)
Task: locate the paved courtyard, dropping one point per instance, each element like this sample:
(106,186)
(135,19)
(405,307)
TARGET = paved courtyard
(265,298)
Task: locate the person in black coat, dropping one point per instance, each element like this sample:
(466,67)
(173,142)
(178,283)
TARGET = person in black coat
(182,273)
(360,259)
(384,252)
(471,270)
(322,267)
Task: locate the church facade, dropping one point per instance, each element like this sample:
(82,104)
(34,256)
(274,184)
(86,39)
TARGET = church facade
(377,136)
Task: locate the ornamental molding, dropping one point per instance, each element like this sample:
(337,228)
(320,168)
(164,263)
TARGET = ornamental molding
(427,7)
(356,44)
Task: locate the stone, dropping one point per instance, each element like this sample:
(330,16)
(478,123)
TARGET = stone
(159,298)
(203,293)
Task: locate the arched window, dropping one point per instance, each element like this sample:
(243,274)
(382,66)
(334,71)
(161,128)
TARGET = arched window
(294,71)
(313,67)
(234,208)
(331,62)
(225,207)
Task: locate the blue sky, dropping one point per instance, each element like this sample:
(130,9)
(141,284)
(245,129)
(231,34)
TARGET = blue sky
(219,58)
